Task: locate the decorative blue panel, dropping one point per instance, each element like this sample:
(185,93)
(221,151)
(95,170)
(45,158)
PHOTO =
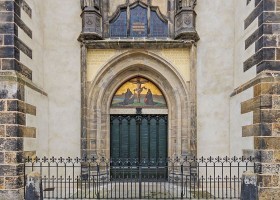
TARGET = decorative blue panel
(118,26)
(139,22)
(158,28)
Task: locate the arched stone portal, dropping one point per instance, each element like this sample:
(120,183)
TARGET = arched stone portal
(99,93)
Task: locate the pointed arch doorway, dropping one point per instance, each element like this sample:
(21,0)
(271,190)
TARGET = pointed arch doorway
(98,109)
(139,123)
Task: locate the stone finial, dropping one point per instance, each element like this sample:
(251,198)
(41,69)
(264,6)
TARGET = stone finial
(191,3)
(89,4)
(186,4)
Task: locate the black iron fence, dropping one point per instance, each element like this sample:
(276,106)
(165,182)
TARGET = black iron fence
(187,178)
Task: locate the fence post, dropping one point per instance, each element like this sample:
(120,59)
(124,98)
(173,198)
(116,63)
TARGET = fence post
(249,187)
(34,190)
(182,182)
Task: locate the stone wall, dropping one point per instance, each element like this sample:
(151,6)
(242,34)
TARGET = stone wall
(241,145)
(215,51)
(62,68)
(16,77)
(261,27)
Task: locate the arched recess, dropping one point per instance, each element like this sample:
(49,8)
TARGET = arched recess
(117,71)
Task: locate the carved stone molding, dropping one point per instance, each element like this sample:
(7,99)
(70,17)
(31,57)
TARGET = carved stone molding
(185,20)
(92,24)
(186,4)
(185,25)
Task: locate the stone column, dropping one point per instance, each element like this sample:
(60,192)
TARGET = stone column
(265,104)
(13,109)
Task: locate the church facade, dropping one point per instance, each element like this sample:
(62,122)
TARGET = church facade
(139,79)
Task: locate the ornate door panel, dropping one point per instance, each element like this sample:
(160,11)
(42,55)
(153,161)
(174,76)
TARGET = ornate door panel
(139,137)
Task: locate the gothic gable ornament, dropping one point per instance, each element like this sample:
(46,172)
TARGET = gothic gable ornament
(138,20)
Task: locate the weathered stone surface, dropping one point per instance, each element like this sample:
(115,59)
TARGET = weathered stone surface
(1,39)
(271,17)
(256,12)
(23,26)
(14,182)
(8,28)
(277,54)
(266,41)
(254,36)
(11,170)
(11,144)
(263,54)
(15,105)
(268,65)
(26,8)
(13,118)
(275,102)
(263,101)
(13,157)
(269,5)
(34,186)
(7,16)
(9,52)
(2,105)
(2,183)
(16,194)
(269,193)
(272,143)
(92,24)
(260,129)
(13,64)
(276,129)
(249,188)
(2,131)
(6,6)
(277,5)
(23,47)
(264,156)
(29,154)
(268,180)
(9,40)
(11,90)
(2,157)
(266,116)
(20,131)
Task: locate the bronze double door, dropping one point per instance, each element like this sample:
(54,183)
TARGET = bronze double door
(139,137)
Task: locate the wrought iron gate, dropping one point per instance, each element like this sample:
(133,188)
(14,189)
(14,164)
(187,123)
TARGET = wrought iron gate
(187,178)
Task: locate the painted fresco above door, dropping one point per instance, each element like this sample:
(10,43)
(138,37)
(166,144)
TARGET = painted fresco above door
(138,92)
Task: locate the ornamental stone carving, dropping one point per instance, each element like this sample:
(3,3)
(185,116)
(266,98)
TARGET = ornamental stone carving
(185,20)
(91,20)
(90,4)
(190,4)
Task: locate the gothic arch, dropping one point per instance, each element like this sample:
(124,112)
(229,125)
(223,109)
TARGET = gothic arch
(110,78)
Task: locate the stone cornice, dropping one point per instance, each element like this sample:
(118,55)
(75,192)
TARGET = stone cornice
(136,43)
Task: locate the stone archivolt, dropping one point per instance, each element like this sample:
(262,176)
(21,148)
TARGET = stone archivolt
(124,67)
